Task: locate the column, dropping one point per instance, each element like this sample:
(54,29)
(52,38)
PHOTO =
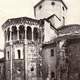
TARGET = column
(11,35)
(18,32)
(11,50)
(11,61)
(25,35)
(25,55)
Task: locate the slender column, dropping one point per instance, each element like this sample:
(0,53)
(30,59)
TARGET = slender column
(25,35)
(11,61)
(10,34)
(18,32)
(25,55)
(11,50)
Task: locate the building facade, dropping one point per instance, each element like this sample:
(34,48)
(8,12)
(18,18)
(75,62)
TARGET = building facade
(43,48)
(22,59)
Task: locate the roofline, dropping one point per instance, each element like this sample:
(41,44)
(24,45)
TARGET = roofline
(54,0)
(53,16)
(12,19)
(69,25)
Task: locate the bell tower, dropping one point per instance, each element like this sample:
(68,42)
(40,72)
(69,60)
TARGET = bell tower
(47,8)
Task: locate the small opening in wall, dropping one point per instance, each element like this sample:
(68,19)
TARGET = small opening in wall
(52,74)
(29,33)
(8,55)
(40,6)
(35,34)
(19,54)
(52,52)
(52,3)
(63,8)
(32,68)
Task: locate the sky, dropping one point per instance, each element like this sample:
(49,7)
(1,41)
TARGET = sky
(21,8)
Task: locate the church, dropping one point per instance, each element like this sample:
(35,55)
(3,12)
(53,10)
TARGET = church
(43,48)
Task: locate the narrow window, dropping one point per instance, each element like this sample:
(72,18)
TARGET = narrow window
(52,75)
(21,32)
(14,32)
(52,3)
(8,55)
(32,68)
(52,52)
(29,33)
(40,6)
(19,54)
(35,33)
(63,8)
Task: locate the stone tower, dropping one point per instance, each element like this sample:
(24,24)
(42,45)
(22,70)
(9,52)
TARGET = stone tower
(55,10)
(22,59)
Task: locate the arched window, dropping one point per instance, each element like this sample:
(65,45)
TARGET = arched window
(19,54)
(29,33)
(35,33)
(52,75)
(52,52)
(8,34)
(21,32)
(14,32)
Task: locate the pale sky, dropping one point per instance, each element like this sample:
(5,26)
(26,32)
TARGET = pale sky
(21,8)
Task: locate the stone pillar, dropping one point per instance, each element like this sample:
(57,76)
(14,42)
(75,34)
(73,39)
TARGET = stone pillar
(10,34)
(25,55)
(18,32)
(25,35)
(11,50)
(11,61)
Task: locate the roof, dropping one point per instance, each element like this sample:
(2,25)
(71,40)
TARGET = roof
(53,16)
(19,20)
(52,0)
(66,36)
(67,26)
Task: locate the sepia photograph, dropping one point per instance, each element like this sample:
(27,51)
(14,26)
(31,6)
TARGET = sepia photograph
(39,39)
